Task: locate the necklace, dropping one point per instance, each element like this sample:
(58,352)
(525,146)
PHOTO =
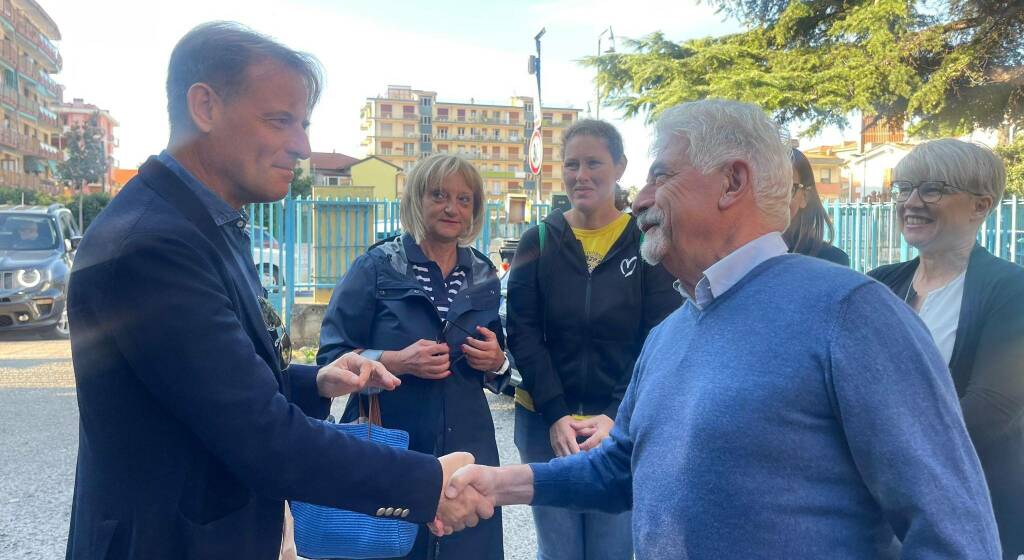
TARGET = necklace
(907,298)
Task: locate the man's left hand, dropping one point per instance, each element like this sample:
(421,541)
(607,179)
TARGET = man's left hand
(484,355)
(595,429)
(351,373)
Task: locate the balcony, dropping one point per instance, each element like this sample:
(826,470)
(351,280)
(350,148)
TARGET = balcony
(402,117)
(51,86)
(28,146)
(9,54)
(31,36)
(9,96)
(498,174)
(17,179)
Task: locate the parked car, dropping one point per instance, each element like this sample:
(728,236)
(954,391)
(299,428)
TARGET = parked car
(37,247)
(266,254)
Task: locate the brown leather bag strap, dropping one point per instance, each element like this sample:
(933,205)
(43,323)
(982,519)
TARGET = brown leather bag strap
(373,418)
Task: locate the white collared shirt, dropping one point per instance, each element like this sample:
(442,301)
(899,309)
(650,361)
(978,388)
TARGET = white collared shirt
(724,274)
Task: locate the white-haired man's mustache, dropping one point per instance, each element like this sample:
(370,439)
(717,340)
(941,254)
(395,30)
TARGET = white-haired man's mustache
(650,217)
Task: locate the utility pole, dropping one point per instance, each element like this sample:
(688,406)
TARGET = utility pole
(611,37)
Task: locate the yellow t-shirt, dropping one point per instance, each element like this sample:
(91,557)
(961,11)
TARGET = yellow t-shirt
(596,244)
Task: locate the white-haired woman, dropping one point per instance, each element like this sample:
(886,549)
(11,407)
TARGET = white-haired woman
(425,304)
(973,304)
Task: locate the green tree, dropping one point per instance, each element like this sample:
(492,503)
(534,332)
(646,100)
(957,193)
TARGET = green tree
(85,159)
(945,67)
(302,184)
(1013,156)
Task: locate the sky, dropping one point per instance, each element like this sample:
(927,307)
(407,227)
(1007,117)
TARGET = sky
(116,51)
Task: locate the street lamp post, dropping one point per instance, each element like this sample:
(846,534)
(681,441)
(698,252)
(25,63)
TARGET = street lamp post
(537,113)
(611,37)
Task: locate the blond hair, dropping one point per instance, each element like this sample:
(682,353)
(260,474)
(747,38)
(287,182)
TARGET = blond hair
(429,172)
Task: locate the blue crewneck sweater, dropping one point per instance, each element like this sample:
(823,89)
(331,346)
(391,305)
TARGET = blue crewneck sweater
(804,413)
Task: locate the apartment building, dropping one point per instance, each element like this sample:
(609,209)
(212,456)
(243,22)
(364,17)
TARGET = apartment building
(30,129)
(405,124)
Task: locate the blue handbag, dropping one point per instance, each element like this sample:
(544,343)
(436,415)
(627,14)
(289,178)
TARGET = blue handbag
(324,532)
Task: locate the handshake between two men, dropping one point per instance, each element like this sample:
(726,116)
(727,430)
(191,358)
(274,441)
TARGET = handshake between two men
(470,492)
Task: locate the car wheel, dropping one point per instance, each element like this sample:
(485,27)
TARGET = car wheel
(60,330)
(269,276)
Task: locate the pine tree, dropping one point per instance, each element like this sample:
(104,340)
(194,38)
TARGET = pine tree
(944,67)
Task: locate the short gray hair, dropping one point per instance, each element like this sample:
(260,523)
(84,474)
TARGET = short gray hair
(720,131)
(969,166)
(430,172)
(218,54)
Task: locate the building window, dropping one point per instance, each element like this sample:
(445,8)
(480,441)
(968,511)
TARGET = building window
(462,115)
(385,110)
(425,102)
(549,153)
(546,169)
(408,111)
(442,133)
(385,148)
(567,117)
(409,149)
(332,181)
(461,132)
(546,186)
(513,117)
(442,114)
(424,138)
(385,129)
(409,130)
(528,107)
(513,153)
(424,120)
(825,175)
(497,134)
(497,153)
(546,134)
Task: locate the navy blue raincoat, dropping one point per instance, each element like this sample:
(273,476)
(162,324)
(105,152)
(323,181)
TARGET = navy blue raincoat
(379,305)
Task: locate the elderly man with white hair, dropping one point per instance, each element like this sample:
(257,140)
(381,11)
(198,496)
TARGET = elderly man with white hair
(791,408)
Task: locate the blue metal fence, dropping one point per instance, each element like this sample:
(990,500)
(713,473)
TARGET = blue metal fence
(301,245)
(870,233)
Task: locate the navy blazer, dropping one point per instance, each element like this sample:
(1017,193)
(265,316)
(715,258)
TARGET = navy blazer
(191,437)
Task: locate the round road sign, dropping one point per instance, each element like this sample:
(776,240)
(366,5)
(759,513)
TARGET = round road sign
(536,151)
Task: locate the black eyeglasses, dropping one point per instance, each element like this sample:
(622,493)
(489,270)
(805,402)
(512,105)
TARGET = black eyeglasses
(278,334)
(929,191)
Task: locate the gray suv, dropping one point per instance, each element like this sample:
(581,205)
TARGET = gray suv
(37,246)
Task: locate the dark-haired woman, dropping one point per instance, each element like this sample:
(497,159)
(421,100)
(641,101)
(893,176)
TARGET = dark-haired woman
(808,219)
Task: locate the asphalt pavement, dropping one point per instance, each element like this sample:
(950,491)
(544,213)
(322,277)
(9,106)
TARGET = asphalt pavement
(39,444)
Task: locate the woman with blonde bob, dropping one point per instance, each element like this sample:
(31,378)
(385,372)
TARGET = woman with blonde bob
(972,303)
(425,304)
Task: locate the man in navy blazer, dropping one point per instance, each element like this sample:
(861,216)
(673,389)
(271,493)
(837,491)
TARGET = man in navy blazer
(193,432)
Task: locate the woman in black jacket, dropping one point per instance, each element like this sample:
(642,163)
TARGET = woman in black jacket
(973,304)
(581,302)
(426,306)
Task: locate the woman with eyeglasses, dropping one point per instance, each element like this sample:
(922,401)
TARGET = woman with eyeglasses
(808,218)
(973,304)
(425,304)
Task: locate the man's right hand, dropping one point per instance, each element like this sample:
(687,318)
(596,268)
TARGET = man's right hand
(563,437)
(424,359)
(456,515)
